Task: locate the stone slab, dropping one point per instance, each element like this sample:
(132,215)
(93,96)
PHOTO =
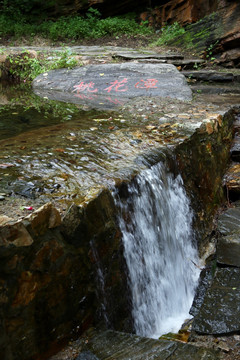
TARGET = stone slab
(133,55)
(114,81)
(228,250)
(229,222)
(206,75)
(232,178)
(220,311)
(113,345)
(235,149)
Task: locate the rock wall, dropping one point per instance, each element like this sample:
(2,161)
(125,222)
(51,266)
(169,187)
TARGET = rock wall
(181,11)
(49,282)
(202,161)
(221,28)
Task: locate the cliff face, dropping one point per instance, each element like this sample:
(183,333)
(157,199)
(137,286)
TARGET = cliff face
(224,26)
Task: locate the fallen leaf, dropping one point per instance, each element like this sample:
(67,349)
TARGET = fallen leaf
(60,150)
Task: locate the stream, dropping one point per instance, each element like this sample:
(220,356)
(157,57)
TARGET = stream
(129,258)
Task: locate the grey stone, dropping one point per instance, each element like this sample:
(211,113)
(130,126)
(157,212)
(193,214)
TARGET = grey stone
(203,284)
(229,222)
(235,149)
(206,75)
(112,82)
(133,55)
(86,355)
(220,311)
(215,88)
(115,345)
(228,250)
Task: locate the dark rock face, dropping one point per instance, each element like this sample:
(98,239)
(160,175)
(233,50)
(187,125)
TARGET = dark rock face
(49,277)
(194,157)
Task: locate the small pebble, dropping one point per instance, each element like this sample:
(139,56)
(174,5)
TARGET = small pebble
(2,198)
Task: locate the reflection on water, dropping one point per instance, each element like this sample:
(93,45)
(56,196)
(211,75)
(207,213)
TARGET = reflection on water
(52,149)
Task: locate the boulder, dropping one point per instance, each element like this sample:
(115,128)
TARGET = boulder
(99,83)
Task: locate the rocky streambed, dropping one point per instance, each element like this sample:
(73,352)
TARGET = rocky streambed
(58,217)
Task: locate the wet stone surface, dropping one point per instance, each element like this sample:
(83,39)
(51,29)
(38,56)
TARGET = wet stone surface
(220,311)
(68,159)
(114,345)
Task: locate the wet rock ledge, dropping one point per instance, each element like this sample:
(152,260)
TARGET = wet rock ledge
(49,266)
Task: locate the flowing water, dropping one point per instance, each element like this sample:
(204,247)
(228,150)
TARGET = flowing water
(156,223)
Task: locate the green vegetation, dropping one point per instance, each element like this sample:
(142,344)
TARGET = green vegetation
(26,67)
(169,33)
(73,27)
(201,35)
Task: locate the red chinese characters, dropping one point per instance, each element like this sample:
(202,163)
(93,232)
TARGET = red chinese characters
(147,84)
(88,87)
(118,85)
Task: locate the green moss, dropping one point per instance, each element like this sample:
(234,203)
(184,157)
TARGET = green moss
(199,36)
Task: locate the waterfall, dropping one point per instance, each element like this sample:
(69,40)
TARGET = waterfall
(156,225)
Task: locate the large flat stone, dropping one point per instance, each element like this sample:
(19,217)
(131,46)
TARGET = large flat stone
(113,345)
(98,83)
(220,311)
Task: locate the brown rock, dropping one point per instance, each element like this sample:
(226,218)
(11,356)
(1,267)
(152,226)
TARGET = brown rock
(15,234)
(4,219)
(46,217)
(28,286)
(209,128)
(48,254)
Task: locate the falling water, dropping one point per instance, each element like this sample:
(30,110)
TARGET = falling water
(156,223)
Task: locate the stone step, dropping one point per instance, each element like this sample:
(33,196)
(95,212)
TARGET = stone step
(232,181)
(134,55)
(187,64)
(113,345)
(228,250)
(229,221)
(235,149)
(212,76)
(216,89)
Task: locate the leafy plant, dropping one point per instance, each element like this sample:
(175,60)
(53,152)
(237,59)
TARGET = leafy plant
(26,67)
(209,51)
